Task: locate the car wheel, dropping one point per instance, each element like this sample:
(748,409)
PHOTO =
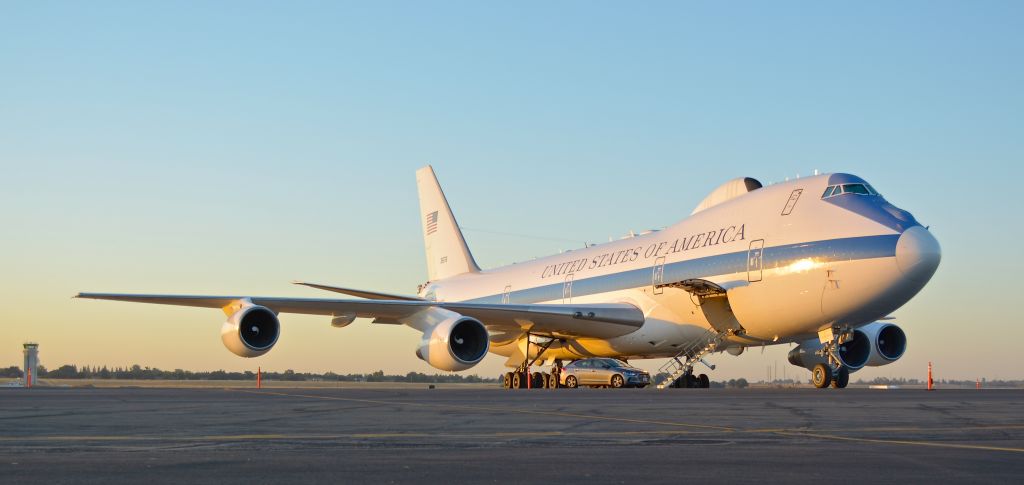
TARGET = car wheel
(617,381)
(571,382)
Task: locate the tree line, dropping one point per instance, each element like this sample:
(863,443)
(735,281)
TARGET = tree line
(148,373)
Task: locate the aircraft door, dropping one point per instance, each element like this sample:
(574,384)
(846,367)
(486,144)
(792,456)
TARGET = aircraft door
(567,289)
(505,294)
(755,261)
(658,276)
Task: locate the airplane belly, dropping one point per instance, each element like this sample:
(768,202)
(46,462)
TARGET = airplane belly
(670,320)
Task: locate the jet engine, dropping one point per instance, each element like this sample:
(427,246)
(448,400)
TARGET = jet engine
(251,331)
(888,343)
(454,344)
(853,353)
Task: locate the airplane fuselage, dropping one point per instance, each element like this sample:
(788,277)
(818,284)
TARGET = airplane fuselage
(791,261)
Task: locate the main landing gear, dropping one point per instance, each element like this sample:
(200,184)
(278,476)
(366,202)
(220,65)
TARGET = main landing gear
(537,380)
(690,381)
(522,378)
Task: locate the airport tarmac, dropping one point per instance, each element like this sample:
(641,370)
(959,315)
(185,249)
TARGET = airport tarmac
(92,435)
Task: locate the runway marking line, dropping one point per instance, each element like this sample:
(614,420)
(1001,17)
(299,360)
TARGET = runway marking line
(788,433)
(902,442)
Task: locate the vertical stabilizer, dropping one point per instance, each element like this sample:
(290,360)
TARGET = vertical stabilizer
(447,254)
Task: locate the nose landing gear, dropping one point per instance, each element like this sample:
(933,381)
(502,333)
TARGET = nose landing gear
(833,373)
(823,376)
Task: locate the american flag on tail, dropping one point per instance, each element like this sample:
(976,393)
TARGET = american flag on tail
(431,223)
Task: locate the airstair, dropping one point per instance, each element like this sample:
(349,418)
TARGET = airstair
(682,363)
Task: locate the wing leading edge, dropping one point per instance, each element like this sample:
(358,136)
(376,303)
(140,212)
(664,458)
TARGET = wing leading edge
(590,320)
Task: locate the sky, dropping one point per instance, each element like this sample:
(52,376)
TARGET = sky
(232,147)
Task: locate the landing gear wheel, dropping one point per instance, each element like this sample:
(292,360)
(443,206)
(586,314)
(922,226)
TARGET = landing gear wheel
(618,381)
(842,378)
(703,381)
(821,376)
(506,380)
(553,381)
(517,380)
(537,380)
(571,382)
(692,382)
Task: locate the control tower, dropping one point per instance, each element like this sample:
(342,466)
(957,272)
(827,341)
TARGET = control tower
(31,363)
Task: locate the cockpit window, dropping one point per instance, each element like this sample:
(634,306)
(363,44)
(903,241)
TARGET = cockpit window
(855,189)
(858,189)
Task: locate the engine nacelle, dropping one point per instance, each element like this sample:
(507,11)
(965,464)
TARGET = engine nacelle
(888,343)
(251,331)
(454,344)
(853,353)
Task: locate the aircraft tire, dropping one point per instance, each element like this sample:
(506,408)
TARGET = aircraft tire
(506,381)
(703,381)
(821,376)
(571,382)
(517,380)
(537,380)
(841,379)
(692,382)
(553,381)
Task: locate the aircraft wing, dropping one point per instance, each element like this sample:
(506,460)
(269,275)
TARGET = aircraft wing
(589,320)
(372,295)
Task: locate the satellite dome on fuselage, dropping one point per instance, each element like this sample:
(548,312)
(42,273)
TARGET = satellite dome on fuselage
(728,191)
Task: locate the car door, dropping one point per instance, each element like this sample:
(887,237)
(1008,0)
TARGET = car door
(583,372)
(603,371)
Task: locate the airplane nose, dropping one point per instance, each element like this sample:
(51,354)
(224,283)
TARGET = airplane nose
(918,253)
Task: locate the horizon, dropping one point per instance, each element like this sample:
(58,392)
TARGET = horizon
(783,379)
(233,148)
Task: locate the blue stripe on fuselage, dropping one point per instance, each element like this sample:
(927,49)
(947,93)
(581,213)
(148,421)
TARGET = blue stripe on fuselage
(847,249)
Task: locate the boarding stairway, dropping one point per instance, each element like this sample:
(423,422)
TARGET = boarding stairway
(682,363)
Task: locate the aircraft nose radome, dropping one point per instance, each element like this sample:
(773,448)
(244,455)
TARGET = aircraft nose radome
(918,253)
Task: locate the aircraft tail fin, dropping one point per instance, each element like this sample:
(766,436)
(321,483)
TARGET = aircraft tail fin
(447,253)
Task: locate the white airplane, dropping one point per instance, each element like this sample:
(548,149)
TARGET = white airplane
(819,261)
